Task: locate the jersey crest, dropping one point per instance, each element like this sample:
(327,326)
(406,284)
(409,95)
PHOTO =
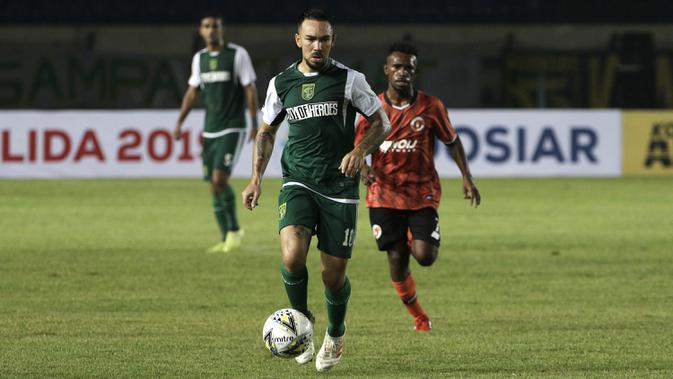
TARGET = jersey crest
(307,91)
(281,210)
(417,124)
(212,64)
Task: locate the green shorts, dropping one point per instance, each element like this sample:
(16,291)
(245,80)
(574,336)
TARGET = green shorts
(334,222)
(221,153)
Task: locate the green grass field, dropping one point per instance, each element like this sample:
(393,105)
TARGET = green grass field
(548,278)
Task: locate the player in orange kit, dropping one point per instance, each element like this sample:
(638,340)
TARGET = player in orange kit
(403,191)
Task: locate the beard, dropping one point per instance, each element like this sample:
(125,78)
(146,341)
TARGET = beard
(316,66)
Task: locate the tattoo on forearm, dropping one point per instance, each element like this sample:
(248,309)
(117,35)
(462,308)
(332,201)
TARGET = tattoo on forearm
(373,138)
(263,150)
(264,143)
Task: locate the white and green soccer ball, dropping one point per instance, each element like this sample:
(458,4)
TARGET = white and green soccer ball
(287,333)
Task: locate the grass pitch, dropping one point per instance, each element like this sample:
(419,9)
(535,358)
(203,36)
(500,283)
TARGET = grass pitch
(548,278)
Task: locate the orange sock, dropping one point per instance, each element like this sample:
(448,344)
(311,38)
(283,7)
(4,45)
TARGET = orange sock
(406,289)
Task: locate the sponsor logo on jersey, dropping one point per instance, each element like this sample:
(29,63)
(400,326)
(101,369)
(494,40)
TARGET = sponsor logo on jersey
(307,91)
(417,124)
(303,112)
(399,146)
(215,76)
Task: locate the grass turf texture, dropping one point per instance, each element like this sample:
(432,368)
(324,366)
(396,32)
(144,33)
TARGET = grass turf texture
(553,278)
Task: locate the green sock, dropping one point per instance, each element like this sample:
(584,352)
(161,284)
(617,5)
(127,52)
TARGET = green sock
(220,216)
(296,285)
(336,309)
(229,206)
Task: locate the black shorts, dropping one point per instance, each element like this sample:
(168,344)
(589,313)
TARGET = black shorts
(392,225)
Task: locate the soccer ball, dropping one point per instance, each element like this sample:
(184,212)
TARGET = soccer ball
(287,333)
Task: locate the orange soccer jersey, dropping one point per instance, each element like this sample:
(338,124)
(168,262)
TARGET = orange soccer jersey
(404,164)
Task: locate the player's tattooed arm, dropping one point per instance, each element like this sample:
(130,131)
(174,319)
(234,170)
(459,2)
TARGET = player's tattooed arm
(378,131)
(264,141)
(261,155)
(470,190)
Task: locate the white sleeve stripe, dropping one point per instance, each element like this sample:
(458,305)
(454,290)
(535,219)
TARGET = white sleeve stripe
(195,77)
(272,104)
(245,73)
(349,85)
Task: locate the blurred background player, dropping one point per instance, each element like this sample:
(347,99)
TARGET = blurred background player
(319,98)
(403,191)
(223,74)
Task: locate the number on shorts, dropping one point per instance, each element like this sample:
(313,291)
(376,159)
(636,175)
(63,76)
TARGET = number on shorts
(349,236)
(227,159)
(435,233)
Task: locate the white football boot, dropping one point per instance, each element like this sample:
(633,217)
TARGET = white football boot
(307,355)
(330,352)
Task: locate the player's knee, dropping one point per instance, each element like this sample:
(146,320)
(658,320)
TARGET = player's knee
(215,188)
(394,258)
(427,257)
(398,264)
(218,185)
(219,181)
(333,280)
(333,274)
(294,265)
(292,258)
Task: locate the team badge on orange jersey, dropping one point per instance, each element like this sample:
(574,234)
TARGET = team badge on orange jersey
(417,124)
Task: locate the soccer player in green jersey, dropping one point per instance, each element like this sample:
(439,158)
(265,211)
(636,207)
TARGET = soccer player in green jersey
(223,74)
(319,98)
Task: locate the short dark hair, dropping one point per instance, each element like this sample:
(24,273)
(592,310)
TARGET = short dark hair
(403,47)
(212,13)
(313,14)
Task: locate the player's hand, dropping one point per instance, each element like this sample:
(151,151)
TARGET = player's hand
(177,132)
(367,174)
(352,162)
(251,195)
(471,192)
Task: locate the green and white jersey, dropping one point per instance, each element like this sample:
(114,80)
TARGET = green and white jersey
(221,76)
(320,109)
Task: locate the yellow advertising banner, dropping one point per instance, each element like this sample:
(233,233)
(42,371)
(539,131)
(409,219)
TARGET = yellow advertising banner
(648,142)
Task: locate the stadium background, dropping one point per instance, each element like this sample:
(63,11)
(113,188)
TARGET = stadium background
(484,54)
(96,280)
